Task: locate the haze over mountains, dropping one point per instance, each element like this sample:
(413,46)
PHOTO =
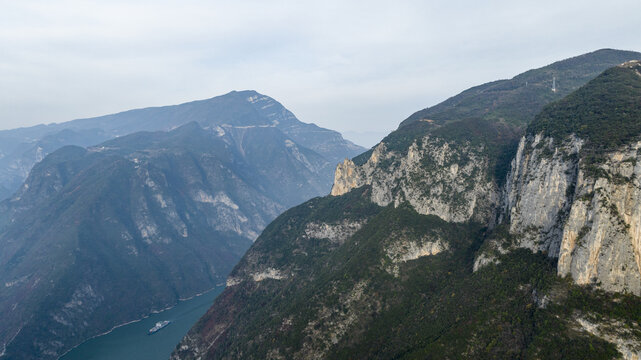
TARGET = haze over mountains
(501,223)
(21,148)
(102,235)
(448,238)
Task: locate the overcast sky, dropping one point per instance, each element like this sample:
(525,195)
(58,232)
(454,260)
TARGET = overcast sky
(345,65)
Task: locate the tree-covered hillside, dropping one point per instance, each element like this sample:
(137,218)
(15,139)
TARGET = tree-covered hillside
(606,112)
(357,299)
(516,101)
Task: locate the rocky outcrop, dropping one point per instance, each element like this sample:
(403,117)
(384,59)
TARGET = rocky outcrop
(601,239)
(536,195)
(403,251)
(347,177)
(586,214)
(336,233)
(623,336)
(406,251)
(449,179)
(331,234)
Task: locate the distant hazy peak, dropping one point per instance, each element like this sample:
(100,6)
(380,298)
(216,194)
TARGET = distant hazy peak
(21,148)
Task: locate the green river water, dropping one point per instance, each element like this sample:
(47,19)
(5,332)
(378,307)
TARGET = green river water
(131,342)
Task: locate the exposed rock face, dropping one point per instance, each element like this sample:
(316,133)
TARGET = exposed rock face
(601,240)
(347,177)
(437,177)
(536,191)
(614,332)
(587,215)
(402,251)
(406,251)
(332,235)
(336,233)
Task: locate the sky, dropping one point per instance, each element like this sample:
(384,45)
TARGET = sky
(359,67)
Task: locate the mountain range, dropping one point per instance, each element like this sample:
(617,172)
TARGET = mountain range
(21,148)
(102,235)
(502,223)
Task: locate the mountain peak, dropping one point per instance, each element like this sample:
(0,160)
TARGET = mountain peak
(240,109)
(247,92)
(247,95)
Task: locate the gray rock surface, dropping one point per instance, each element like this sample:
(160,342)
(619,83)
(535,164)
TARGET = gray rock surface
(590,220)
(437,177)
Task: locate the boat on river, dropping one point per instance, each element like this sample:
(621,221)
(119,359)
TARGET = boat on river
(159,325)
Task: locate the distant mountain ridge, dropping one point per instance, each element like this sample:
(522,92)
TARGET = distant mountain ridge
(21,148)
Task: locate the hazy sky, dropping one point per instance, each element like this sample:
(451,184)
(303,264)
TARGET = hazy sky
(345,65)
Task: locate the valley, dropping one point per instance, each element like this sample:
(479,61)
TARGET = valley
(501,223)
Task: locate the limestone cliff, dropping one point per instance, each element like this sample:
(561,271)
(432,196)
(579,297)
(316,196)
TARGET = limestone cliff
(586,215)
(574,190)
(448,179)
(536,192)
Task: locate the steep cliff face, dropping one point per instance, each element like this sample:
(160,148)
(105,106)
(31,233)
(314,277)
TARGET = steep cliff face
(601,240)
(588,218)
(536,195)
(578,198)
(448,179)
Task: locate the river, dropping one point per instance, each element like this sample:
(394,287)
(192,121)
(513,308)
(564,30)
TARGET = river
(131,342)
